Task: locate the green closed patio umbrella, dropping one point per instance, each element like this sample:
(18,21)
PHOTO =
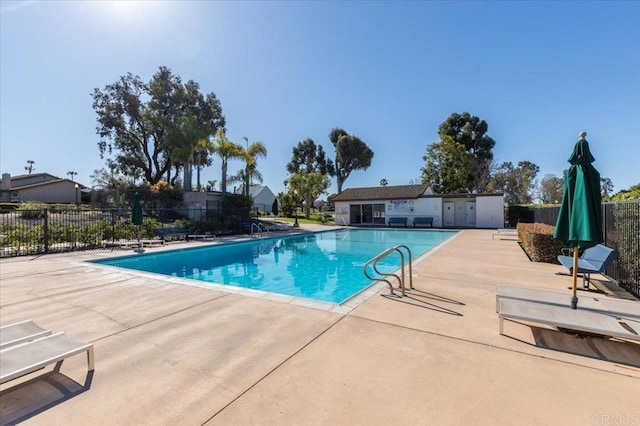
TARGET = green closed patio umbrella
(136,211)
(579,222)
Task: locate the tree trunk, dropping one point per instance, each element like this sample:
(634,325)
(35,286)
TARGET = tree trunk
(307,207)
(223,182)
(246,181)
(198,173)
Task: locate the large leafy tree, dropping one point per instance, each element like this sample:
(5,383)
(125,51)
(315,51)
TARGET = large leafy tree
(310,157)
(308,186)
(447,166)
(309,171)
(351,154)
(287,203)
(633,193)
(517,183)
(471,132)
(142,124)
(551,189)
(107,179)
(606,187)
(226,150)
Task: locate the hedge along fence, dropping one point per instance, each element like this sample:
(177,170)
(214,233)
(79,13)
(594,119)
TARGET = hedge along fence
(28,231)
(537,241)
(621,226)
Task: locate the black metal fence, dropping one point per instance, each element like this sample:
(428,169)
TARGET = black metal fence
(621,227)
(38,231)
(55,230)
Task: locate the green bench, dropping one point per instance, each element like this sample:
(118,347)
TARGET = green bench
(423,221)
(397,221)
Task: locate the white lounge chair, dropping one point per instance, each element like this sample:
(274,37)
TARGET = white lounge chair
(20,332)
(25,358)
(561,317)
(505,233)
(202,237)
(602,304)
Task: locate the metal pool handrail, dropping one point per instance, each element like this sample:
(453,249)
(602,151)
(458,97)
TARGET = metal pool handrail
(384,275)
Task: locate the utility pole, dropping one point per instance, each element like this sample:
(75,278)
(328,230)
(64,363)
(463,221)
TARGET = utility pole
(246,169)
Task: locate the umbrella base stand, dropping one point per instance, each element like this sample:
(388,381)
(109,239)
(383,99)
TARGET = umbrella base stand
(574,303)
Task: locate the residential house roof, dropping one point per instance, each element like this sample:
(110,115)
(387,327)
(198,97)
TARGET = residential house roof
(255,190)
(35,180)
(381,193)
(400,192)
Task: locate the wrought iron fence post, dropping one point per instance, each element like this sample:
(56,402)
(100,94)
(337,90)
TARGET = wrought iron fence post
(113,226)
(46,231)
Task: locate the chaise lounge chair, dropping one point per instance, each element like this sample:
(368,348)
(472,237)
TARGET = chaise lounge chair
(565,318)
(594,260)
(603,304)
(25,350)
(20,332)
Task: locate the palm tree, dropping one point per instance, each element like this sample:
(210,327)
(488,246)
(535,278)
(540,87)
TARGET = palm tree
(241,177)
(251,153)
(384,182)
(201,156)
(72,174)
(183,138)
(29,167)
(226,150)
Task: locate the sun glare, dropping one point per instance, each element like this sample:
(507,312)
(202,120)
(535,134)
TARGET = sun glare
(127,9)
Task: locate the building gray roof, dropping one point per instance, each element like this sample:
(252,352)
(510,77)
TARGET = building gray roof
(381,193)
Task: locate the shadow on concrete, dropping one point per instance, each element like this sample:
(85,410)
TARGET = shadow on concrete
(28,399)
(417,298)
(612,350)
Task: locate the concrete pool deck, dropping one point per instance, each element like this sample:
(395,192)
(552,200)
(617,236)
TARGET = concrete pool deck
(170,353)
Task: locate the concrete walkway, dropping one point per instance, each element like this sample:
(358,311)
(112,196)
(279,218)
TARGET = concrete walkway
(170,352)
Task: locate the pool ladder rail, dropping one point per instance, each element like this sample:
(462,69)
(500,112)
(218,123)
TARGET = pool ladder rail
(258,233)
(386,276)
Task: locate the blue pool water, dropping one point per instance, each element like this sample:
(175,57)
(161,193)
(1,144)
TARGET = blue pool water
(325,266)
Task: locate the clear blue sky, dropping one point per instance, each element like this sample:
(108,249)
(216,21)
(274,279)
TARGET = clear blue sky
(389,72)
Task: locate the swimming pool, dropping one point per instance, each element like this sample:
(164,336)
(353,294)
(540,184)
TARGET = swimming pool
(324,266)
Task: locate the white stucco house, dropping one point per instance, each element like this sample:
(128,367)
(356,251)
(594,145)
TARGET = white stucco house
(377,205)
(41,187)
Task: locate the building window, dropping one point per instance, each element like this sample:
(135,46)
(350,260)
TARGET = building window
(366,214)
(378,213)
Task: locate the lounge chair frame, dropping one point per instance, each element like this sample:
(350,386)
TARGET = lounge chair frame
(24,331)
(600,304)
(565,318)
(594,260)
(21,359)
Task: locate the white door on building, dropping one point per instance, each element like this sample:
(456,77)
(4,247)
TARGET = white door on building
(448,214)
(471,213)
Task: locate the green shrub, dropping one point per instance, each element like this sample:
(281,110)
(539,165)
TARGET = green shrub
(32,210)
(538,242)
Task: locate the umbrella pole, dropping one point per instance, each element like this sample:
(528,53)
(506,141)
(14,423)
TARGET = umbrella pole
(574,296)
